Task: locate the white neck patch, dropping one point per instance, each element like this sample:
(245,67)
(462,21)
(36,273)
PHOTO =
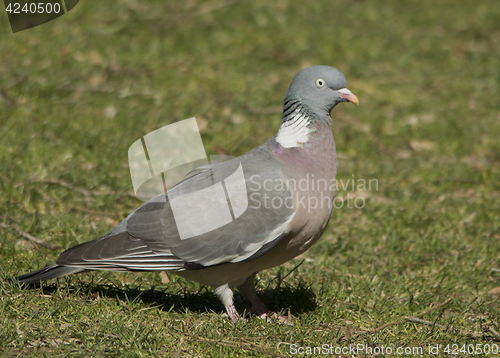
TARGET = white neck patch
(294,132)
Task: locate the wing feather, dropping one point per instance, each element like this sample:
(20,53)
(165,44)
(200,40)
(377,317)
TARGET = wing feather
(149,238)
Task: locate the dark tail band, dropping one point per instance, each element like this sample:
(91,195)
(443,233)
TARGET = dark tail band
(47,273)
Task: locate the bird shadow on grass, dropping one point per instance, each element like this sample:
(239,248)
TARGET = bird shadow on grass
(297,300)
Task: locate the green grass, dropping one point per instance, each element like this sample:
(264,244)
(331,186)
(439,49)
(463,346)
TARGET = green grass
(77,92)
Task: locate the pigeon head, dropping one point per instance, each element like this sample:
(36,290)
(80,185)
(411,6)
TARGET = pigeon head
(319,89)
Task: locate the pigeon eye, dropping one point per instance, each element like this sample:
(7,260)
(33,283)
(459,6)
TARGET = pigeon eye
(320,82)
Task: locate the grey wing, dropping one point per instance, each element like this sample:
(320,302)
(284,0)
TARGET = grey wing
(223,214)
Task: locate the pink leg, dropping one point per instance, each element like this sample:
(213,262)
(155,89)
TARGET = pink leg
(225,294)
(247,289)
(233,314)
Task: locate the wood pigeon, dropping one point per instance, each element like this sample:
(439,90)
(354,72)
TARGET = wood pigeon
(279,198)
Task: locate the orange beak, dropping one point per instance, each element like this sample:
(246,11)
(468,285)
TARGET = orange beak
(348,95)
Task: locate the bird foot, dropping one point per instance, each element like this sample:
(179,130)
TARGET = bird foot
(260,309)
(269,316)
(233,314)
(272,316)
(235,318)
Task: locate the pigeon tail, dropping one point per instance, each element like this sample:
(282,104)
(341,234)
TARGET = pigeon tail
(48,272)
